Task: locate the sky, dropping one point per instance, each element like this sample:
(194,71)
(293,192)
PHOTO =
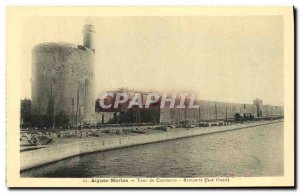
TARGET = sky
(220,58)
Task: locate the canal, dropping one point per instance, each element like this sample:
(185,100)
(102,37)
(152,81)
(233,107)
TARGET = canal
(255,151)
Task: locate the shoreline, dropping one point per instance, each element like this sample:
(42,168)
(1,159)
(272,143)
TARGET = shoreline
(53,153)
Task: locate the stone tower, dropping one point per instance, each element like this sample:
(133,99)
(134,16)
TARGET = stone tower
(89,36)
(63,82)
(259,106)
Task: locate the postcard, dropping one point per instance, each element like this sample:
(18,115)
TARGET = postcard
(150,97)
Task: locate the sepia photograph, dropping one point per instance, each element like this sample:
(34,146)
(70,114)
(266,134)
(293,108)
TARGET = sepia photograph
(150,96)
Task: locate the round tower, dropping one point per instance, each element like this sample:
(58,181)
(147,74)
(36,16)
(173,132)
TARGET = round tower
(63,82)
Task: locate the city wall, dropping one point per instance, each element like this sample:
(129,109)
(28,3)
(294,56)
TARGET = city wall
(211,110)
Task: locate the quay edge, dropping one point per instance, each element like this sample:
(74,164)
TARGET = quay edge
(39,157)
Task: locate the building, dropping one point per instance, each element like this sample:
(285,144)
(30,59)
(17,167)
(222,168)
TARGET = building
(122,114)
(63,82)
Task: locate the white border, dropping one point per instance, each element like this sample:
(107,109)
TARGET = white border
(3,5)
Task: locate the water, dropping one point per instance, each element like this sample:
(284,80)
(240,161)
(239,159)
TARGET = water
(256,151)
